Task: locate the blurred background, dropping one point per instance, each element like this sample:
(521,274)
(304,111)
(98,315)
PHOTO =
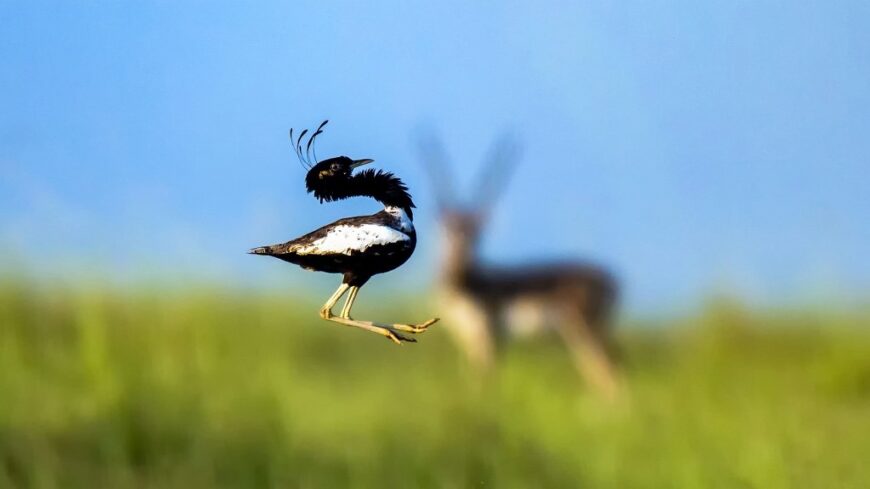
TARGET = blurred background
(713,156)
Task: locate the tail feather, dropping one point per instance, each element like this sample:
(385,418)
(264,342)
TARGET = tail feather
(261,250)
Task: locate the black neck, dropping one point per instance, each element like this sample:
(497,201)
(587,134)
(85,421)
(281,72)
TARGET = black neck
(380,185)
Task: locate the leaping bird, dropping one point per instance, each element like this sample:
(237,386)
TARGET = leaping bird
(357,247)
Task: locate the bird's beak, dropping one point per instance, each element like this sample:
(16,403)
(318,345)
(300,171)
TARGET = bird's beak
(362,162)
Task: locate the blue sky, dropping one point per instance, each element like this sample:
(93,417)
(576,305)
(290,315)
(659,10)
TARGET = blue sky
(692,146)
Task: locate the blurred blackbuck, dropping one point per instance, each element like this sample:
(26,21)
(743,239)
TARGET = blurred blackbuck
(484,305)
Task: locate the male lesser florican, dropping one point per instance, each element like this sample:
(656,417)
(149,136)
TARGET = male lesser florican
(357,247)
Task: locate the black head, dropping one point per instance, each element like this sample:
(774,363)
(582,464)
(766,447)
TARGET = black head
(331,177)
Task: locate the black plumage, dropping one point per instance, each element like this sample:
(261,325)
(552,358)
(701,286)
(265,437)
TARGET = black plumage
(357,264)
(380,185)
(356,247)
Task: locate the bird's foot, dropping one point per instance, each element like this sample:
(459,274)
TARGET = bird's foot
(408,328)
(415,328)
(385,330)
(396,337)
(389,330)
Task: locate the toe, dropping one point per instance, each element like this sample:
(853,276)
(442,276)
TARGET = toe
(395,339)
(429,323)
(398,338)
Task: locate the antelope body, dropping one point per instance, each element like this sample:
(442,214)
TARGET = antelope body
(483,305)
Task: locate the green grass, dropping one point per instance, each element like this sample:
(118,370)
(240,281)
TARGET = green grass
(212,389)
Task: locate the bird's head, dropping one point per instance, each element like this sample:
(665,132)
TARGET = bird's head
(330,177)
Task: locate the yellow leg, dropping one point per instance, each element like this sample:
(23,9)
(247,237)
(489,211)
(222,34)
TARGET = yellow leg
(345,311)
(326,313)
(391,331)
(326,310)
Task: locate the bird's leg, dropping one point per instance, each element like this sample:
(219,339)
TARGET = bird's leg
(393,327)
(326,313)
(345,311)
(326,310)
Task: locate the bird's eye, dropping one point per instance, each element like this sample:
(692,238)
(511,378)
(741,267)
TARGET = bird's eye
(335,167)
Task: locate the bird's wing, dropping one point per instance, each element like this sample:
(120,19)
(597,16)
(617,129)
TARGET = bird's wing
(350,238)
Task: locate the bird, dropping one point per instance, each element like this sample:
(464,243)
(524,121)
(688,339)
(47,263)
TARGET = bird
(356,247)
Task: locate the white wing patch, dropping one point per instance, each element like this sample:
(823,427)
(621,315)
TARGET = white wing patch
(346,239)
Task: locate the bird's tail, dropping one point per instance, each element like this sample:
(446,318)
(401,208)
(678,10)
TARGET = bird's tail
(262,250)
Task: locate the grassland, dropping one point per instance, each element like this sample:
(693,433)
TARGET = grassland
(205,388)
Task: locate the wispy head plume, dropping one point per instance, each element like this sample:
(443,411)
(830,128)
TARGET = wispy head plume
(305,157)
